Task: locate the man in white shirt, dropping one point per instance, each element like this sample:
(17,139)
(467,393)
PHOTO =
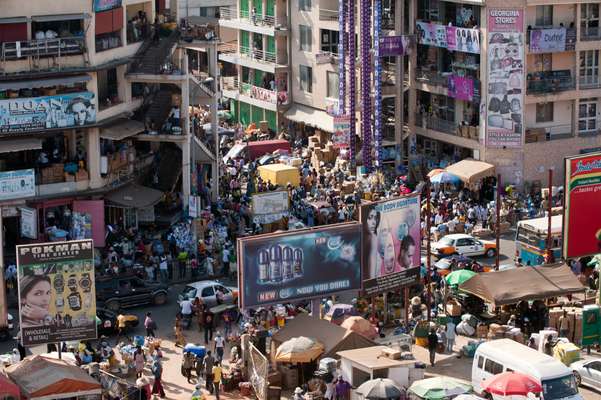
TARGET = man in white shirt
(450,336)
(219,346)
(186,305)
(164,269)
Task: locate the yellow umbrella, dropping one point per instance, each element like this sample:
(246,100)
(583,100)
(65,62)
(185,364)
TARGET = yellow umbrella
(299,350)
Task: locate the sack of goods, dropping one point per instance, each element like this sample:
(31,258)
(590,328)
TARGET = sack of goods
(465,329)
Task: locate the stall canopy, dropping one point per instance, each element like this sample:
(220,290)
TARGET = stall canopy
(121,129)
(526,283)
(333,337)
(470,171)
(135,196)
(8,388)
(311,117)
(40,378)
(13,145)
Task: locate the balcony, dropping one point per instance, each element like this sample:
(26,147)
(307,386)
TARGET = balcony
(466,135)
(328,15)
(588,34)
(252,58)
(231,18)
(436,124)
(254,94)
(589,82)
(550,82)
(547,133)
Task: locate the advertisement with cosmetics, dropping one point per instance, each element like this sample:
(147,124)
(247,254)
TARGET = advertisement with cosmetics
(505,103)
(582,218)
(57,297)
(391,240)
(299,265)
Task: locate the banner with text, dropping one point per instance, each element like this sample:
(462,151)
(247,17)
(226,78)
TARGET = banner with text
(466,40)
(460,87)
(268,207)
(341,137)
(552,40)
(17,184)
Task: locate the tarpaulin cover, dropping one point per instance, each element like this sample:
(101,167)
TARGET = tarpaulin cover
(525,283)
(470,171)
(39,376)
(8,388)
(333,337)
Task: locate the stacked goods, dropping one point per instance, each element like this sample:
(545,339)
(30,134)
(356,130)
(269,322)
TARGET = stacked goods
(574,317)
(55,173)
(453,308)
(497,331)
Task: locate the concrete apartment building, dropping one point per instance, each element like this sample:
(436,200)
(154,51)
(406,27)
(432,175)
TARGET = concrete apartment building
(87,130)
(533,88)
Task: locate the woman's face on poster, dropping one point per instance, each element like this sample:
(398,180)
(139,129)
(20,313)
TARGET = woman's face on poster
(372,221)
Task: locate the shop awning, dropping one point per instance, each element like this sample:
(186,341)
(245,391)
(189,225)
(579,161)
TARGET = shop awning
(121,129)
(59,17)
(40,83)
(470,171)
(13,20)
(12,145)
(134,196)
(524,283)
(311,116)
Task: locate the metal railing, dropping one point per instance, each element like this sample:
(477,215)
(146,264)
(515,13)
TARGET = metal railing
(138,33)
(230,13)
(258,55)
(547,133)
(589,82)
(255,92)
(328,15)
(550,82)
(436,124)
(43,48)
(590,33)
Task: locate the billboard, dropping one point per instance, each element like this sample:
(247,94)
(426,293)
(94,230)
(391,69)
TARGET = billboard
(396,45)
(269,207)
(17,184)
(104,5)
(391,239)
(460,87)
(47,112)
(552,40)
(505,102)
(57,297)
(582,218)
(341,137)
(299,265)
(466,40)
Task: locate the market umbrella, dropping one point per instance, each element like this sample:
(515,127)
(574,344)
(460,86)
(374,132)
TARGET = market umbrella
(456,278)
(511,384)
(299,350)
(380,389)
(445,177)
(361,326)
(439,387)
(595,261)
(435,172)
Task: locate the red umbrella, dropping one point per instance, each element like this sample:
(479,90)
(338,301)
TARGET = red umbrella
(511,384)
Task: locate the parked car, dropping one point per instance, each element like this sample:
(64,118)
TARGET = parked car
(119,292)
(108,321)
(463,244)
(588,372)
(206,291)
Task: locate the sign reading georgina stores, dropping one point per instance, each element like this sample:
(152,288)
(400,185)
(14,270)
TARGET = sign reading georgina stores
(582,216)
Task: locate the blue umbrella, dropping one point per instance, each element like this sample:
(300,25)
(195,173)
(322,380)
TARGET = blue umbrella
(445,177)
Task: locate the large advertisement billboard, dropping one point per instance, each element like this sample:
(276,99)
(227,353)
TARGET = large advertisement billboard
(57,297)
(582,216)
(505,103)
(391,241)
(299,265)
(47,112)
(270,207)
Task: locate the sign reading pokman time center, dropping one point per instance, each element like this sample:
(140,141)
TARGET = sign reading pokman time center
(57,297)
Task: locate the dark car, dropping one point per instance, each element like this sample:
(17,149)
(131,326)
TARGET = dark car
(108,321)
(119,292)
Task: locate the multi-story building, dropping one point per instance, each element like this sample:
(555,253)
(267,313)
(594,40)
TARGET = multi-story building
(516,86)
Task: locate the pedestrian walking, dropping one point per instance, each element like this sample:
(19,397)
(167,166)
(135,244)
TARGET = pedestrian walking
(208,325)
(217,379)
(178,329)
(121,327)
(157,372)
(164,269)
(139,361)
(219,346)
(450,336)
(432,344)
(187,365)
(208,362)
(150,325)
(564,325)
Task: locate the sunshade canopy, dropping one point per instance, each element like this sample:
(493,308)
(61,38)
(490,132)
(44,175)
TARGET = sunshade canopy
(135,196)
(48,82)
(458,277)
(361,326)
(470,171)
(311,117)
(445,177)
(8,388)
(42,377)
(299,350)
(121,129)
(377,389)
(526,283)
(439,388)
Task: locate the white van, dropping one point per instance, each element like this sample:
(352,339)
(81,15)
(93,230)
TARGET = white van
(502,355)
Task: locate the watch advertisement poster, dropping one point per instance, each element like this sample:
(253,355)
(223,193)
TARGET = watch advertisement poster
(57,298)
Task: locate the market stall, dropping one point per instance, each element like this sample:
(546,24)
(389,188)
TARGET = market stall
(40,377)
(470,171)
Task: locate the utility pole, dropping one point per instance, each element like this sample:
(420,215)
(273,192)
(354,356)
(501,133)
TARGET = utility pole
(498,223)
(428,244)
(549,253)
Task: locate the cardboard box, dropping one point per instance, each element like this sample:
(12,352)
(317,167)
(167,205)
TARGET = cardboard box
(453,309)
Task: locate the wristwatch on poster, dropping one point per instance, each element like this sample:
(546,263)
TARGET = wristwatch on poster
(60,304)
(72,282)
(74,300)
(59,283)
(85,282)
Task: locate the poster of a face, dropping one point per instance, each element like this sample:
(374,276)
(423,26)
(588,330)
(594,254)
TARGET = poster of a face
(391,236)
(57,299)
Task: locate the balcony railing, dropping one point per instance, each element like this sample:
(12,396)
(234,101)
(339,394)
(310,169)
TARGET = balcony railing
(43,48)
(255,92)
(328,15)
(554,132)
(446,126)
(230,13)
(590,33)
(258,55)
(589,82)
(550,82)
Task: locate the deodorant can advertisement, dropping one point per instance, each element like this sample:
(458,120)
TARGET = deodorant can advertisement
(299,265)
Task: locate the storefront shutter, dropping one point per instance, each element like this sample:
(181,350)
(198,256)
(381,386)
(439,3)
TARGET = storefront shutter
(244,8)
(257,115)
(244,42)
(258,4)
(270,8)
(244,114)
(104,22)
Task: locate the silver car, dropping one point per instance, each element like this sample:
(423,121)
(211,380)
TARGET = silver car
(206,291)
(588,372)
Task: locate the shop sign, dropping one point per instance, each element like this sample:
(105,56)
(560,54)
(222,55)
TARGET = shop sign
(466,40)
(552,40)
(47,112)
(299,265)
(582,220)
(342,127)
(10,212)
(431,34)
(505,102)
(63,272)
(29,222)
(146,214)
(396,45)
(390,240)
(460,87)
(269,207)
(17,184)
(104,5)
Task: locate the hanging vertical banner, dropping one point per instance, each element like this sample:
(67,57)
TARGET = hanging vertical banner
(505,103)
(341,136)
(378,82)
(352,78)
(460,87)
(366,120)
(341,60)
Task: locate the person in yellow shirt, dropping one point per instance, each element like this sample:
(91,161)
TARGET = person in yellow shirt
(121,327)
(217,378)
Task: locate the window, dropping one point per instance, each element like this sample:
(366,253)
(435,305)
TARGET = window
(480,362)
(329,41)
(332,79)
(306,78)
(589,21)
(587,115)
(207,292)
(544,112)
(596,365)
(108,88)
(108,29)
(544,15)
(589,68)
(493,367)
(304,5)
(543,62)
(305,37)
